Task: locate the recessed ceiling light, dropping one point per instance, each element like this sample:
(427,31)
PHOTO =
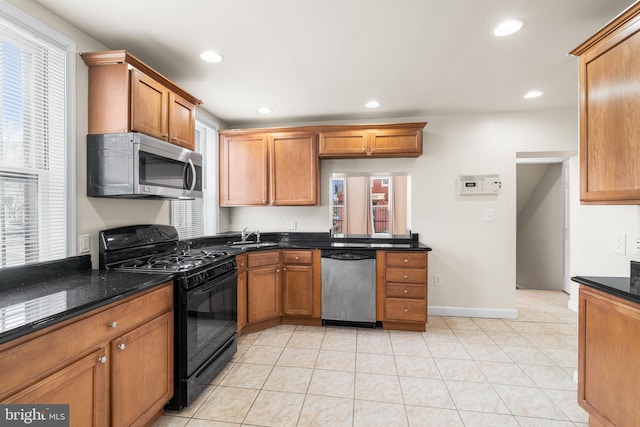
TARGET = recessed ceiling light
(265,110)
(532,94)
(372,104)
(211,56)
(508,27)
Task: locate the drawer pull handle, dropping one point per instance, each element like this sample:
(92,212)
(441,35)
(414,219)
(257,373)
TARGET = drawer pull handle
(406,291)
(406,260)
(406,276)
(113,325)
(121,346)
(406,310)
(102,359)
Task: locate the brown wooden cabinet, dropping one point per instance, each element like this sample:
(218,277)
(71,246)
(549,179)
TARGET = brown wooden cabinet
(610,112)
(608,358)
(301,293)
(81,362)
(402,289)
(390,141)
(241,261)
(126,95)
(259,169)
(263,286)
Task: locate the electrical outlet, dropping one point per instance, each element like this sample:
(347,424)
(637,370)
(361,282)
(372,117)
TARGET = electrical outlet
(488,215)
(620,243)
(636,246)
(292,224)
(84,243)
(438,280)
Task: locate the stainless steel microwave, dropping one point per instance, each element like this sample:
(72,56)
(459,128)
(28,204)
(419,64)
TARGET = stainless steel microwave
(135,166)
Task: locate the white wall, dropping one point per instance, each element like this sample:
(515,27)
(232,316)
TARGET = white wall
(540,243)
(476,258)
(593,230)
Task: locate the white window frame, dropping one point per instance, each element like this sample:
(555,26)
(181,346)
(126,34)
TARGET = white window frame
(187,222)
(25,22)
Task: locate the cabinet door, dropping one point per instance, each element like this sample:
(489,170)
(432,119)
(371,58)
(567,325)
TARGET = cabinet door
(182,122)
(297,290)
(610,119)
(244,170)
(608,358)
(149,101)
(263,294)
(142,372)
(294,169)
(392,143)
(242,301)
(81,385)
(343,143)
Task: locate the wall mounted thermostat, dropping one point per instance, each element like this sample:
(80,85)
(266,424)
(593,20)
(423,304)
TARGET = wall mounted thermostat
(478,184)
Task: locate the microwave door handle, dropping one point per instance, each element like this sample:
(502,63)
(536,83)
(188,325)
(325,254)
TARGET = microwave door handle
(193,175)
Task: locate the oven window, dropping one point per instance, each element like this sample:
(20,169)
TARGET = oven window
(211,321)
(163,172)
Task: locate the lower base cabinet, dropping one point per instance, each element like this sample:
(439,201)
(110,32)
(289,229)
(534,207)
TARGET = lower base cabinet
(112,366)
(608,359)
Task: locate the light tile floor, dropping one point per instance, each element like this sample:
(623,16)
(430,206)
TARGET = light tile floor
(462,372)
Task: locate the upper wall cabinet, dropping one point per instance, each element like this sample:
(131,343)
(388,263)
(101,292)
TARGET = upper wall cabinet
(277,168)
(610,112)
(127,95)
(398,140)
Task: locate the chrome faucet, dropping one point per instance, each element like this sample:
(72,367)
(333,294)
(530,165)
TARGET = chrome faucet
(244,236)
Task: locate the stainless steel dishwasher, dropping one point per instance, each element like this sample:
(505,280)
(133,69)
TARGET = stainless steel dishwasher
(349,287)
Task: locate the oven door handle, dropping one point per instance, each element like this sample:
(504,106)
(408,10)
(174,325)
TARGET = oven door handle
(218,281)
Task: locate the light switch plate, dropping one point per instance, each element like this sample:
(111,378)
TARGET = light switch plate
(84,243)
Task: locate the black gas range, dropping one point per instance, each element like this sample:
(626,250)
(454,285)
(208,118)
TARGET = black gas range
(205,298)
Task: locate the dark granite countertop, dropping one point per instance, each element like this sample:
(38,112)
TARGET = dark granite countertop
(622,287)
(306,240)
(34,300)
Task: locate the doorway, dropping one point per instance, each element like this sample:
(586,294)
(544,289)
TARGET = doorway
(542,224)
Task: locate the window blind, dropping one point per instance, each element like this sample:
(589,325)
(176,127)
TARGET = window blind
(33,170)
(196,218)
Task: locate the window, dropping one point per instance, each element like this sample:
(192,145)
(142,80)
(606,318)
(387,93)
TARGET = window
(35,140)
(199,217)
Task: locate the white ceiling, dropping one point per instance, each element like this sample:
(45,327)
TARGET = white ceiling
(316,60)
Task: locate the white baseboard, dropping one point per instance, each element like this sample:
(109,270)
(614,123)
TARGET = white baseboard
(573,306)
(492,313)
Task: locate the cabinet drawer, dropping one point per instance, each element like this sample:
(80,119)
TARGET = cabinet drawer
(399,290)
(407,259)
(406,310)
(260,259)
(78,337)
(241,260)
(406,275)
(297,257)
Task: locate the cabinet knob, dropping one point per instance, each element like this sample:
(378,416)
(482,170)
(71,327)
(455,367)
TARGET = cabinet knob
(165,135)
(406,310)
(406,291)
(406,276)
(121,346)
(175,138)
(297,258)
(405,260)
(102,359)
(373,150)
(264,202)
(113,325)
(277,270)
(364,149)
(242,264)
(284,268)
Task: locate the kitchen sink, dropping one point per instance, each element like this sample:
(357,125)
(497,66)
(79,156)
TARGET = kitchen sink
(244,245)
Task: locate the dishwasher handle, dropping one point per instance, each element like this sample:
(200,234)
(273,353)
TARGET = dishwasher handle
(349,255)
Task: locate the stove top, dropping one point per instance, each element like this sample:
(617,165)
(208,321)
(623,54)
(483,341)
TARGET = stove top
(173,261)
